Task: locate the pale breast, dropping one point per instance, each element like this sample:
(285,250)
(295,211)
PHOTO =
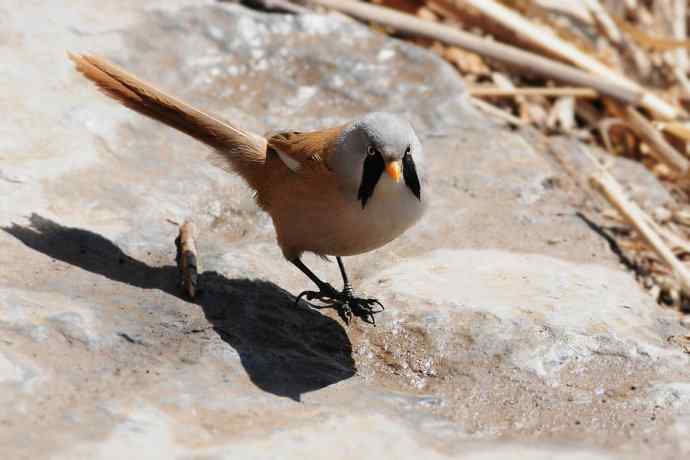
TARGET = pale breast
(333,223)
(390,211)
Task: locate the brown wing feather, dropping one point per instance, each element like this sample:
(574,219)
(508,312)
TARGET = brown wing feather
(243,151)
(305,147)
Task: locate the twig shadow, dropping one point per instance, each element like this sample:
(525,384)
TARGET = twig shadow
(286,350)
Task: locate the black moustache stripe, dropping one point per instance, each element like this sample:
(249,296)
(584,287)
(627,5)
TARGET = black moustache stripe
(410,176)
(373,168)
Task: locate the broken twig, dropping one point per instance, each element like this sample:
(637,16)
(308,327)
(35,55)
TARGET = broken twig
(492,91)
(498,113)
(664,151)
(601,16)
(187,258)
(610,189)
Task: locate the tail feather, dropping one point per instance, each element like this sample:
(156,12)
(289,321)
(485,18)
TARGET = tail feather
(243,150)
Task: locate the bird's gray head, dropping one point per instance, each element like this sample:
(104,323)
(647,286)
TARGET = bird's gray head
(376,143)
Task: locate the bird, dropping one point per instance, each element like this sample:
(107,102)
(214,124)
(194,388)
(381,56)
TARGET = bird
(339,191)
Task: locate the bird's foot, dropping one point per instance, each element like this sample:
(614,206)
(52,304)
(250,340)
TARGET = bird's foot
(345,303)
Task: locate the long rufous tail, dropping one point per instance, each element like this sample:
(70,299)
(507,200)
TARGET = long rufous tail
(244,151)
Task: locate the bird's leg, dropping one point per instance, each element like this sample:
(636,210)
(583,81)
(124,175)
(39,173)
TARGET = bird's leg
(361,307)
(345,303)
(326,291)
(347,287)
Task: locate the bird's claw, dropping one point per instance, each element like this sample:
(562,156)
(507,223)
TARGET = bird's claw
(346,304)
(364,309)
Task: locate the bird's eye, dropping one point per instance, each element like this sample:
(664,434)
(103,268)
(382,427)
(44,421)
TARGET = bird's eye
(407,150)
(371,150)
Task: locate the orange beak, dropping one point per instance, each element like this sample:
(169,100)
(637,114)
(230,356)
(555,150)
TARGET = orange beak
(393,170)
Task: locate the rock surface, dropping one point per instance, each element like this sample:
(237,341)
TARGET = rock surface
(510,330)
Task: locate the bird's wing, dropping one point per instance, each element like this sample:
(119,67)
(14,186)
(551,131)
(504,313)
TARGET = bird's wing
(297,149)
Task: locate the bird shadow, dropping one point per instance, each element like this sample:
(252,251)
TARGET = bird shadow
(286,349)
